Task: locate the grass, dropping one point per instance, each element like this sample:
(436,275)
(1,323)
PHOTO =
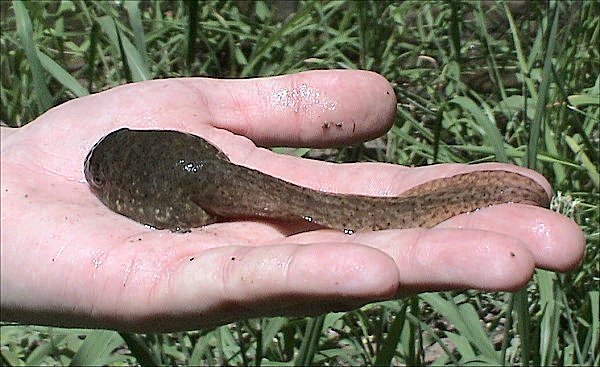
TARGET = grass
(476,81)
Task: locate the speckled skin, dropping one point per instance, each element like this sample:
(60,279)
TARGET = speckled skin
(169,179)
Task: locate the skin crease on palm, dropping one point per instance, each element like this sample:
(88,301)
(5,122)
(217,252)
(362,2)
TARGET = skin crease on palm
(67,260)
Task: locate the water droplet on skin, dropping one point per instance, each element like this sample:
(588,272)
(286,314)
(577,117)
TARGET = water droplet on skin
(302,99)
(97,260)
(541,231)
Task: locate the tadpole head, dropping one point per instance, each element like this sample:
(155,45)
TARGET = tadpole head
(98,161)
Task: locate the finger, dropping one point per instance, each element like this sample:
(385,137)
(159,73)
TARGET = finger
(313,108)
(555,241)
(445,259)
(216,286)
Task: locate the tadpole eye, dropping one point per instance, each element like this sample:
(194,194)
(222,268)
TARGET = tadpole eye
(97,181)
(92,174)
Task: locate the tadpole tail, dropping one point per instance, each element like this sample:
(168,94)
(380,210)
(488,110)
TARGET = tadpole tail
(425,205)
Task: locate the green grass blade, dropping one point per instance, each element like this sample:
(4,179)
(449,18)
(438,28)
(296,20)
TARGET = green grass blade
(133,67)
(466,321)
(579,100)
(569,315)
(91,55)
(549,332)
(363,25)
(135,55)
(437,134)
(243,346)
(594,330)
(388,349)
(271,327)
(523,324)
(434,335)
(508,329)
(135,19)
(10,358)
(109,28)
(586,162)
(475,332)
(263,47)
(192,33)
(201,353)
(96,348)
(491,133)
(140,350)
(462,345)
(39,354)
(454,30)
(310,342)
(552,148)
(540,108)
(25,32)
(415,349)
(545,283)
(61,75)
(229,347)
(524,67)
(550,315)
(137,66)
(487,39)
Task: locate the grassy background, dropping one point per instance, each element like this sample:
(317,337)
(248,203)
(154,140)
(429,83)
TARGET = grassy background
(476,81)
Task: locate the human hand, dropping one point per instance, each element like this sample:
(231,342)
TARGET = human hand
(67,260)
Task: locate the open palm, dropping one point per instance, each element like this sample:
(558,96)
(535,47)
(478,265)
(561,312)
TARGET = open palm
(68,260)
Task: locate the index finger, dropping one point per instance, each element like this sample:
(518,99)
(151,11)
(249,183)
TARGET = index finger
(313,108)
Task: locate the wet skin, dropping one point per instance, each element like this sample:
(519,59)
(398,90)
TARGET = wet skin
(174,180)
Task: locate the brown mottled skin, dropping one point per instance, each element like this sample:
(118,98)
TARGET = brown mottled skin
(169,179)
